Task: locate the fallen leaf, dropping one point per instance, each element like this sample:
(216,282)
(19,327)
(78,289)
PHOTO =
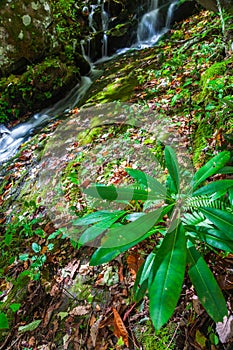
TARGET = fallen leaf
(94,331)
(32,342)
(225,329)
(200,339)
(134,262)
(80,310)
(29,327)
(119,328)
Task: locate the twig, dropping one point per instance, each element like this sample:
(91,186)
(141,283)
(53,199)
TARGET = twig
(168,347)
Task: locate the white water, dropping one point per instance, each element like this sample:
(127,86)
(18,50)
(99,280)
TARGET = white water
(90,17)
(10,140)
(104,22)
(152,26)
(150,29)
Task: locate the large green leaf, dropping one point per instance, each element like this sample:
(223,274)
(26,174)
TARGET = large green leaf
(164,291)
(231,196)
(104,255)
(148,182)
(173,167)
(113,193)
(96,217)
(207,288)
(213,237)
(210,168)
(220,218)
(126,234)
(226,170)
(141,283)
(213,187)
(94,231)
(217,240)
(3,321)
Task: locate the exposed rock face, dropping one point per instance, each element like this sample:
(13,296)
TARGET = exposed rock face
(24,33)
(185,10)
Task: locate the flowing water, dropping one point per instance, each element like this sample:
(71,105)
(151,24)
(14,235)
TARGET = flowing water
(10,140)
(152,25)
(155,22)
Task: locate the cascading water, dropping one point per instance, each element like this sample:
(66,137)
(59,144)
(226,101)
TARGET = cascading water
(92,11)
(90,17)
(153,24)
(104,17)
(10,140)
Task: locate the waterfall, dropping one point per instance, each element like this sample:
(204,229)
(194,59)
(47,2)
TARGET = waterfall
(170,14)
(104,17)
(155,22)
(95,9)
(90,17)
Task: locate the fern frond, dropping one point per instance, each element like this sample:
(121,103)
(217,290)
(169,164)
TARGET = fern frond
(193,219)
(193,203)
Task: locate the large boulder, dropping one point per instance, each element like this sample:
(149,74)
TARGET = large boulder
(40,86)
(25,33)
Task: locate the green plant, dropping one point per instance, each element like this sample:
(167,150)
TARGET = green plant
(184,224)
(156,340)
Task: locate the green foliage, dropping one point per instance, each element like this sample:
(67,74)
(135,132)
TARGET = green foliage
(201,216)
(3,321)
(29,327)
(41,82)
(159,340)
(67,26)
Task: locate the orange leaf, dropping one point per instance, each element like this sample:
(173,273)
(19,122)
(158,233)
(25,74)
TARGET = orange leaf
(119,328)
(134,262)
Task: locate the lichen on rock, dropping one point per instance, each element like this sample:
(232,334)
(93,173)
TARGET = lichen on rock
(31,21)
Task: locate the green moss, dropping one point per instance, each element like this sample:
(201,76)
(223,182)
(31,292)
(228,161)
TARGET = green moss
(88,136)
(211,80)
(119,30)
(40,86)
(203,132)
(152,340)
(120,90)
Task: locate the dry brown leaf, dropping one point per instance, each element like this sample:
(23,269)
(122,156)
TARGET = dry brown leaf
(134,262)
(94,331)
(197,305)
(32,342)
(85,269)
(80,310)
(72,268)
(120,273)
(49,313)
(119,328)
(225,329)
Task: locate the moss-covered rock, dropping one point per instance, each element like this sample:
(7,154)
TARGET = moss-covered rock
(208,79)
(25,33)
(40,86)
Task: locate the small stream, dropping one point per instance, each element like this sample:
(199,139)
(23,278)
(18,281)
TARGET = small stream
(152,25)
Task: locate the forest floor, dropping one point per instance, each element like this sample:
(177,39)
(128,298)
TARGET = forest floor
(51,296)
